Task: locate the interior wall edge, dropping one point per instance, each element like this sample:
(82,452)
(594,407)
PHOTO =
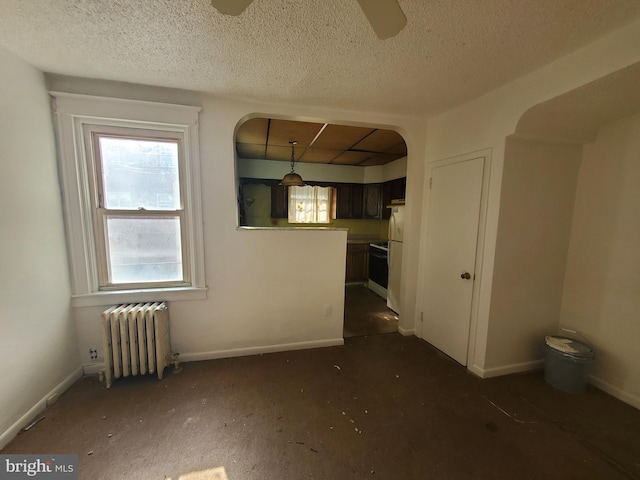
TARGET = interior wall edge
(40,405)
(614,391)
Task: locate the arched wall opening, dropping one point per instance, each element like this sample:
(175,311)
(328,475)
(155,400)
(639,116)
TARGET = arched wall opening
(368,164)
(568,209)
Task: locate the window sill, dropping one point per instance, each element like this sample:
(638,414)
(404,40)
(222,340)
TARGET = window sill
(137,296)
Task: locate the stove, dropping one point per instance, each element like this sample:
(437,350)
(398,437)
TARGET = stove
(379,268)
(380,245)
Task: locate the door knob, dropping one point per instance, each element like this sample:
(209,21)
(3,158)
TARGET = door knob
(465,276)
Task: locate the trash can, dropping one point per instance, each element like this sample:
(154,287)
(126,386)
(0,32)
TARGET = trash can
(567,363)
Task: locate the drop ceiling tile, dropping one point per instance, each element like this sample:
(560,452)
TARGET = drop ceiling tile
(276,152)
(338,144)
(400,149)
(250,150)
(351,158)
(253,131)
(341,137)
(283,131)
(319,155)
(380,159)
(379,141)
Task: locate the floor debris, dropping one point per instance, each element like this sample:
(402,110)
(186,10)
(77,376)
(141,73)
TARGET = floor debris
(30,426)
(512,417)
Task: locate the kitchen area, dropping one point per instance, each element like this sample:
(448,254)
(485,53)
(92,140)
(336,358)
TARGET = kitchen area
(362,172)
(372,295)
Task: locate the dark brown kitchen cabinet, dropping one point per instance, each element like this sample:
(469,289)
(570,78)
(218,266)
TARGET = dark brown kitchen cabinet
(279,201)
(357,269)
(349,200)
(372,201)
(392,190)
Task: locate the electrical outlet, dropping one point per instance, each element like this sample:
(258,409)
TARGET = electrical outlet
(93,353)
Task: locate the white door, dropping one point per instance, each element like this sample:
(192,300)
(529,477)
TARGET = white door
(452,236)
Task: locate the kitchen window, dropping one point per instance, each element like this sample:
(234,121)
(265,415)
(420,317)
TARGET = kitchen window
(310,204)
(130,174)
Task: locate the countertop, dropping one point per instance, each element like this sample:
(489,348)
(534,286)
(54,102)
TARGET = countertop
(364,239)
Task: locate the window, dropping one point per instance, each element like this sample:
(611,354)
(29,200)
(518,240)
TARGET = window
(309,204)
(130,174)
(138,207)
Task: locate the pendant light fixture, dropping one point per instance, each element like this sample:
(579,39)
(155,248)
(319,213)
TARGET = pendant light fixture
(292,179)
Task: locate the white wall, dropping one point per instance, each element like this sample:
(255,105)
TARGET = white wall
(251,168)
(386,172)
(254,168)
(602,284)
(536,206)
(256,300)
(38,340)
(485,122)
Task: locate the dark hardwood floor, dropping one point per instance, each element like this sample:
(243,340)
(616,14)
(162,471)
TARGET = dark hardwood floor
(366,313)
(380,407)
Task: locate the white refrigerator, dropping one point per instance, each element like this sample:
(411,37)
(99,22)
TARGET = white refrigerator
(396,235)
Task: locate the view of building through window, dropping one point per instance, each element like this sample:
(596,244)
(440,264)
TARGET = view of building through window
(139,196)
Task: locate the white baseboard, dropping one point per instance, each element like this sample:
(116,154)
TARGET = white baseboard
(405,331)
(506,369)
(241,352)
(615,391)
(95,368)
(28,416)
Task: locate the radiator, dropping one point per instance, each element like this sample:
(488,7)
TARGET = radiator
(135,340)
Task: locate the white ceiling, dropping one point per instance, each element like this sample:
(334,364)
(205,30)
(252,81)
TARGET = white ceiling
(578,115)
(318,52)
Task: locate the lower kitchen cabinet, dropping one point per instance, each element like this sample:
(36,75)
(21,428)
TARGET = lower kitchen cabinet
(357,262)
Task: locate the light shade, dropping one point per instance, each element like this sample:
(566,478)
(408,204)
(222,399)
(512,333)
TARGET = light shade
(292,179)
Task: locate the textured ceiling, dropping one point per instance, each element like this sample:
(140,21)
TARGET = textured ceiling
(314,52)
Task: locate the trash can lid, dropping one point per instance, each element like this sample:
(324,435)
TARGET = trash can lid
(569,346)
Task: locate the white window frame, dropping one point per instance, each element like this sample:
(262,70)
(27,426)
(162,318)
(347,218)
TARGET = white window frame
(92,134)
(75,115)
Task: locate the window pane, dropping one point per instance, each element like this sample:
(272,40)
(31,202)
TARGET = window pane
(144,250)
(139,173)
(309,204)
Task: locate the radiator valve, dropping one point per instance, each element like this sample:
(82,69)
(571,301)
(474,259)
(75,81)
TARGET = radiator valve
(175,362)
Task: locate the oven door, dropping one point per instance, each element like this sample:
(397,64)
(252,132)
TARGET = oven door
(378,270)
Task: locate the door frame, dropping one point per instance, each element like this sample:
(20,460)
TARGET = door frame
(424,243)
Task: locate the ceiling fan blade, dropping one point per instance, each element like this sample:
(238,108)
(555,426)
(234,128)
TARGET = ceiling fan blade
(385,16)
(230,7)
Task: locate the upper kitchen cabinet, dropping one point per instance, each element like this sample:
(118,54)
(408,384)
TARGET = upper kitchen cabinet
(392,190)
(279,201)
(372,201)
(349,199)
